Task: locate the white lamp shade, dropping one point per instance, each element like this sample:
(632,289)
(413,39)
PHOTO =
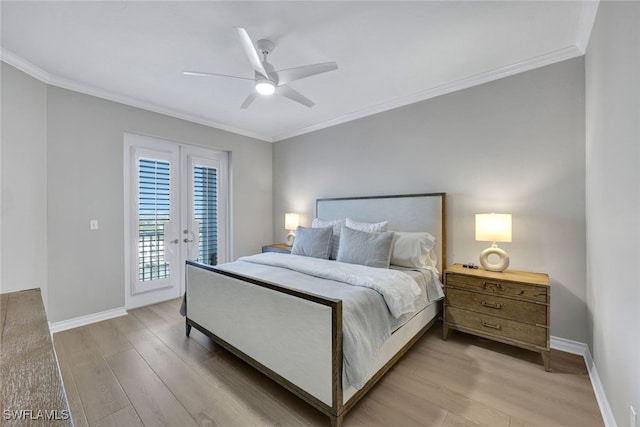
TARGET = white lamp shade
(493,227)
(291,221)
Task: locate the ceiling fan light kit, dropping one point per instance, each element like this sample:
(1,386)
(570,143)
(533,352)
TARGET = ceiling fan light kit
(267,81)
(265,87)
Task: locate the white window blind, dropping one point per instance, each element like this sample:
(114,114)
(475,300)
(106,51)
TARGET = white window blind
(206,212)
(153,213)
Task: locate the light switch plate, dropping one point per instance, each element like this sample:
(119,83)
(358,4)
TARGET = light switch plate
(93,224)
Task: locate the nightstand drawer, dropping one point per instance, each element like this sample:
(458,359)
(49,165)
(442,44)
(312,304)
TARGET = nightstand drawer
(498,287)
(492,305)
(500,327)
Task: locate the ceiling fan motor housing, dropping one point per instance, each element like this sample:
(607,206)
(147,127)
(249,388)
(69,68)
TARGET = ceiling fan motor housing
(265,46)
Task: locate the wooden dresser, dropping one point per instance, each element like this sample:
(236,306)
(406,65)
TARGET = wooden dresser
(510,306)
(31,384)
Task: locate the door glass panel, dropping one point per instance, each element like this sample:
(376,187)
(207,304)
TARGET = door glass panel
(205,193)
(153,214)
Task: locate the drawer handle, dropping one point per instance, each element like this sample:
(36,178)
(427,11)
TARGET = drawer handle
(495,305)
(487,285)
(491,325)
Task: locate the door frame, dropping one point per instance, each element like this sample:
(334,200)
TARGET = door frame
(133,141)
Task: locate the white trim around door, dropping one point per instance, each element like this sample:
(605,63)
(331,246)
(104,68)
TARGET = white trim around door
(176,208)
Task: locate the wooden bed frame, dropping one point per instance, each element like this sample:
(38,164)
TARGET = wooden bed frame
(219,303)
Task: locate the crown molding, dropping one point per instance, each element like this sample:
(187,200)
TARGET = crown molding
(52,80)
(587,19)
(148,106)
(25,66)
(569,52)
(464,83)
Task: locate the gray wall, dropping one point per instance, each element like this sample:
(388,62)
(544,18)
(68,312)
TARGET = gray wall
(84,180)
(23,257)
(515,145)
(613,202)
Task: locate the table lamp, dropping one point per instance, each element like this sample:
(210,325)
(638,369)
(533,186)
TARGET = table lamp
(493,228)
(291,222)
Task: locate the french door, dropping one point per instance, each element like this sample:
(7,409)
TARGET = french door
(176,202)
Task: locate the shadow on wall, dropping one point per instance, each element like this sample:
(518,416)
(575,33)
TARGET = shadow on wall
(568,313)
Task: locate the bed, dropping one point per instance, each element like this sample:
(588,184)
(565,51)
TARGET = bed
(292,317)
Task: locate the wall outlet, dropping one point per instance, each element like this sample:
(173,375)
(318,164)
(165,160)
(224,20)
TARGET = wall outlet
(93,224)
(633,417)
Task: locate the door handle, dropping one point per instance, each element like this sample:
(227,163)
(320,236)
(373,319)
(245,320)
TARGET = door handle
(187,240)
(175,242)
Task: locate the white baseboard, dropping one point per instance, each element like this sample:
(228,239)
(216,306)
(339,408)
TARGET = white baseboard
(581,349)
(76,322)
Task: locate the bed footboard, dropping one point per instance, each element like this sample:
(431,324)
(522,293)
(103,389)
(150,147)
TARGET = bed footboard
(291,336)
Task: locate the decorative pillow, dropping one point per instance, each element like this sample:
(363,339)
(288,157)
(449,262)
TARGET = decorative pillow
(367,226)
(312,242)
(362,247)
(337,225)
(413,249)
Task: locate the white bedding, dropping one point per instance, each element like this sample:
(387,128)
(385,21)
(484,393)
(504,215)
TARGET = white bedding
(399,290)
(366,292)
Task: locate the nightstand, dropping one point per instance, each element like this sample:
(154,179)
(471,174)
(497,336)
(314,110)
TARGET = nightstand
(510,306)
(281,248)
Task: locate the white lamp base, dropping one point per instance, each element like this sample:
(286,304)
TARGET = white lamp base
(290,238)
(502,263)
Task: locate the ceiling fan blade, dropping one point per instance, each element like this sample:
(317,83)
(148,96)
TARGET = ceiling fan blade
(294,95)
(292,74)
(250,50)
(203,74)
(249,100)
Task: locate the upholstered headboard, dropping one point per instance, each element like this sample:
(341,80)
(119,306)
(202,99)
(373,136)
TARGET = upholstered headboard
(407,212)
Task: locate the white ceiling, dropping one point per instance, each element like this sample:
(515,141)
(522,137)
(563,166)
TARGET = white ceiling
(389,53)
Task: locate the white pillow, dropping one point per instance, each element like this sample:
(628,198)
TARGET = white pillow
(337,225)
(367,226)
(413,249)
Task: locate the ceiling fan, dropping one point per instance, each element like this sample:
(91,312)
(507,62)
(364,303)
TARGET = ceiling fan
(266,79)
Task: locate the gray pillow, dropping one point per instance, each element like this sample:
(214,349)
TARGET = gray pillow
(313,242)
(362,247)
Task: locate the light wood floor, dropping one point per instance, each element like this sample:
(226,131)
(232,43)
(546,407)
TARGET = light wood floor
(140,369)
